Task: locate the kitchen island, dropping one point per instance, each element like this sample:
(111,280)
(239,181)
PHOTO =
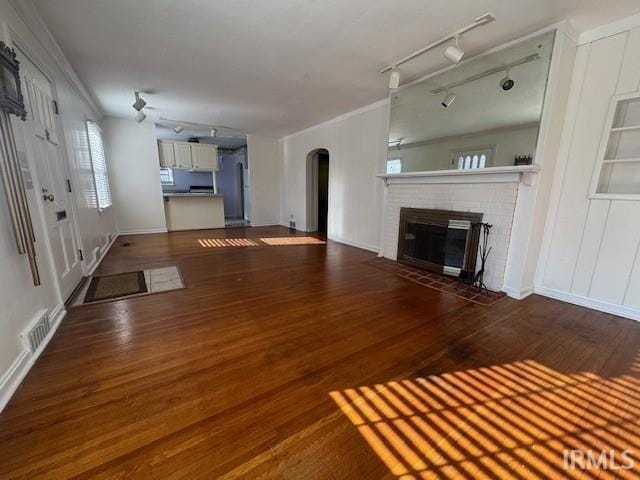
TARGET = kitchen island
(193,211)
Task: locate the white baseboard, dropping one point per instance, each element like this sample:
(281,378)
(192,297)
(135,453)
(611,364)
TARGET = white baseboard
(518,294)
(104,250)
(352,243)
(13,377)
(143,231)
(620,310)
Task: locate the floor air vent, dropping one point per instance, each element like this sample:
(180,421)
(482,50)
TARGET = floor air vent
(38,333)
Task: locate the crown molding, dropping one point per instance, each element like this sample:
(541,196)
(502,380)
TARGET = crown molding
(31,17)
(610,29)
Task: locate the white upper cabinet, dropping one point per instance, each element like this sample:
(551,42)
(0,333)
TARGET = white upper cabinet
(189,156)
(204,157)
(165,152)
(182,152)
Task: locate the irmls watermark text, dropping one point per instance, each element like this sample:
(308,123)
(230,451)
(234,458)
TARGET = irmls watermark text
(594,459)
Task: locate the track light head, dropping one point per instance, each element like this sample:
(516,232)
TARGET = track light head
(214,132)
(139,104)
(140,116)
(507,82)
(453,53)
(179,129)
(394,79)
(448,99)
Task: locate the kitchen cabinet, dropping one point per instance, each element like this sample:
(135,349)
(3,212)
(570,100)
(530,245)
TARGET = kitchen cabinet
(188,156)
(204,157)
(165,152)
(182,151)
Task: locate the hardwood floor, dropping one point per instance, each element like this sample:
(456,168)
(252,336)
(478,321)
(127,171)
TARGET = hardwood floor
(303,362)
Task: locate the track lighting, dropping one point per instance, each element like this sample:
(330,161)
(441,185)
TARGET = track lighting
(394,78)
(139,104)
(453,53)
(140,116)
(179,128)
(448,99)
(507,83)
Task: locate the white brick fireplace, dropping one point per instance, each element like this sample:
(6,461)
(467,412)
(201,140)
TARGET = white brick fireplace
(493,193)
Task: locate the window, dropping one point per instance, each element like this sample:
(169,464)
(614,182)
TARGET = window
(166,176)
(99,166)
(472,158)
(394,165)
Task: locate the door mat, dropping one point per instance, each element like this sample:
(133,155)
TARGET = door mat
(442,283)
(108,287)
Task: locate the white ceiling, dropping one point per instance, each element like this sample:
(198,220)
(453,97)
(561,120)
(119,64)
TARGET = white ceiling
(480,105)
(275,67)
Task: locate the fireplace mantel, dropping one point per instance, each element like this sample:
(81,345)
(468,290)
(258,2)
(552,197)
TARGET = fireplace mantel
(525,174)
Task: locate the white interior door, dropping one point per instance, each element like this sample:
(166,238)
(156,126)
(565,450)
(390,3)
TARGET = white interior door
(43,144)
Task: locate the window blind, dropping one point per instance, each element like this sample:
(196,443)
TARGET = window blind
(99,166)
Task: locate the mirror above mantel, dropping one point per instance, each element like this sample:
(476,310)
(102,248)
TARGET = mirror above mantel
(484,113)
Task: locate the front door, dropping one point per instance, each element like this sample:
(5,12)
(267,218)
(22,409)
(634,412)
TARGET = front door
(42,143)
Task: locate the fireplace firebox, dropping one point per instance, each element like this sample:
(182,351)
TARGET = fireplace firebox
(441,241)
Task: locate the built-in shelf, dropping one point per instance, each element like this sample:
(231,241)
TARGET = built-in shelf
(510,174)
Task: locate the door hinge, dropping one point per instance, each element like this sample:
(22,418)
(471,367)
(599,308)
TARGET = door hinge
(68,185)
(56,109)
(81,255)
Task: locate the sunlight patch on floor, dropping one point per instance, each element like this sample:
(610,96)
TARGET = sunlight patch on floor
(507,421)
(226,242)
(292,241)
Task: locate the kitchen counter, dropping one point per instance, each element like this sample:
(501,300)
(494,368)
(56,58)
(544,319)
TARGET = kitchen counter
(189,194)
(193,211)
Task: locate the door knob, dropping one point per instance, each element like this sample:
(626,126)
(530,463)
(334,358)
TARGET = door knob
(46,196)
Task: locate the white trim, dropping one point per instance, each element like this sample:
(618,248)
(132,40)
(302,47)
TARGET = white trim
(518,294)
(509,174)
(103,252)
(609,29)
(339,118)
(362,246)
(620,310)
(14,376)
(143,231)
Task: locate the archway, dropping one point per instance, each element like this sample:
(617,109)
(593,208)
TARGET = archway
(318,190)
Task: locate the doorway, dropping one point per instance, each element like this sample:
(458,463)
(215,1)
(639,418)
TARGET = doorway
(318,191)
(40,139)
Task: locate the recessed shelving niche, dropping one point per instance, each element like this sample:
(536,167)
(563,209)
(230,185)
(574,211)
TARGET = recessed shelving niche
(618,169)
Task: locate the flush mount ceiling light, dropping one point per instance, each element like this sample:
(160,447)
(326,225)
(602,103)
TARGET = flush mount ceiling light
(179,129)
(481,20)
(394,79)
(139,104)
(448,99)
(140,116)
(453,53)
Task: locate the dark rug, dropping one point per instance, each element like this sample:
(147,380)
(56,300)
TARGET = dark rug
(107,287)
(443,283)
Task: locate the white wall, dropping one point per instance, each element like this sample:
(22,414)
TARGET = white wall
(20,302)
(357,145)
(436,155)
(590,251)
(264,179)
(134,175)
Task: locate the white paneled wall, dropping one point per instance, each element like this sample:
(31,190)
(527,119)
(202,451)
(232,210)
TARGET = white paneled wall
(357,145)
(590,253)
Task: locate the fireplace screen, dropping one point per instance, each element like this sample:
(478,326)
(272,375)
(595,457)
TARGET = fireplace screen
(439,240)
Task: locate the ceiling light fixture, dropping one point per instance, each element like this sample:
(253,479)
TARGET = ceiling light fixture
(178,129)
(140,116)
(214,132)
(394,79)
(139,104)
(481,20)
(507,82)
(448,99)
(453,53)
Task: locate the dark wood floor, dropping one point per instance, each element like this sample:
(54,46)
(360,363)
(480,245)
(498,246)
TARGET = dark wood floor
(304,362)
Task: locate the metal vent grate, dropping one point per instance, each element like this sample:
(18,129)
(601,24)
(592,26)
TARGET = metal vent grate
(38,333)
